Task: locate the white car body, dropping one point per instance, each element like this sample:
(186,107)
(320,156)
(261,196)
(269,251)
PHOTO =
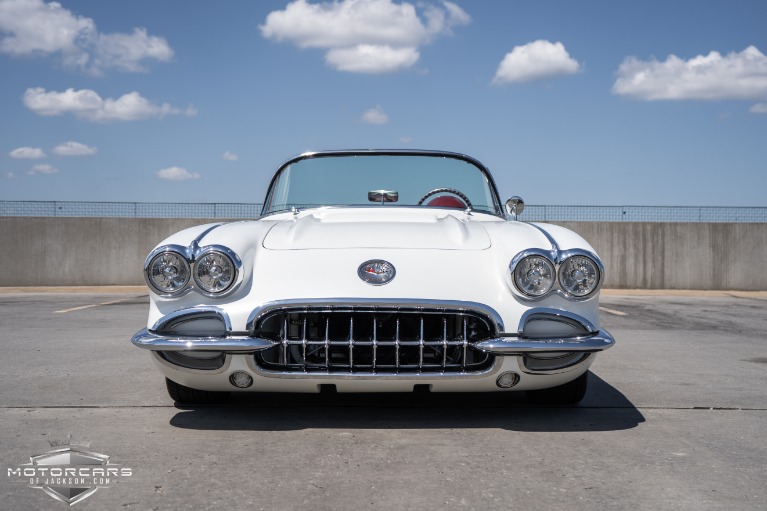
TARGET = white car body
(305,266)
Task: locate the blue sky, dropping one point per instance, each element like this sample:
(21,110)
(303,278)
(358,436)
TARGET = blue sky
(590,102)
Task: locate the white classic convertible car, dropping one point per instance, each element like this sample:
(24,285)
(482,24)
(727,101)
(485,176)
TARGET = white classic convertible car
(376,271)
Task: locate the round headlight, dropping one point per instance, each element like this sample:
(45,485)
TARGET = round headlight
(534,275)
(579,276)
(168,272)
(214,272)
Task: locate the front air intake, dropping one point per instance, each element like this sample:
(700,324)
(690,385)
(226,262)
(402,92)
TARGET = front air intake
(374,339)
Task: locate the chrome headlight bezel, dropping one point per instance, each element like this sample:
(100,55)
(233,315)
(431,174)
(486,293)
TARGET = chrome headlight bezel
(229,257)
(191,256)
(558,259)
(569,290)
(179,252)
(543,259)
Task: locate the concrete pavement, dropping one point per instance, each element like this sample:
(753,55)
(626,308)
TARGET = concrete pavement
(674,419)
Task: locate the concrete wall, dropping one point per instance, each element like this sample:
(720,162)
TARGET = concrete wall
(714,256)
(111,251)
(58,251)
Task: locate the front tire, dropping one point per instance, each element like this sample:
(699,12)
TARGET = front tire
(567,394)
(189,396)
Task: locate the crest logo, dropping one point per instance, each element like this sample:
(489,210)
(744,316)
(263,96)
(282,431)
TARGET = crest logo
(376,272)
(70,472)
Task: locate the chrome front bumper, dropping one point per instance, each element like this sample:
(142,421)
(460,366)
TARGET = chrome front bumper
(230,344)
(516,345)
(509,344)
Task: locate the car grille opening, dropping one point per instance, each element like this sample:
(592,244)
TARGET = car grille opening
(377,340)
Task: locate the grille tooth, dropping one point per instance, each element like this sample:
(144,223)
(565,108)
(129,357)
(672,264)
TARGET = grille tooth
(373,340)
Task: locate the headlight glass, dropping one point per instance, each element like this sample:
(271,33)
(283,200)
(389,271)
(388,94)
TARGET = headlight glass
(214,272)
(579,276)
(534,275)
(168,272)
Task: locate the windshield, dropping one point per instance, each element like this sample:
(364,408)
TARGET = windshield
(388,180)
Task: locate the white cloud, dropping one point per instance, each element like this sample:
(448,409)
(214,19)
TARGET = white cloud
(375,115)
(72,148)
(759,108)
(126,51)
(371,59)
(176,174)
(10,175)
(708,77)
(34,27)
(534,61)
(363,36)
(88,105)
(42,168)
(230,156)
(27,153)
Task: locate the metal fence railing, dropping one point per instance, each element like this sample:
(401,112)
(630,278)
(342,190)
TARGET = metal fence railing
(253,210)
(129,209)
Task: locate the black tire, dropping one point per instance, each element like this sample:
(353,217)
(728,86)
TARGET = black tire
(567,394)
(189,396)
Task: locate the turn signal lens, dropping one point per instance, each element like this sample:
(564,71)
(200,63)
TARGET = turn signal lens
(214,272)
(168,273)
(534,275)
(579,276)
(241,380)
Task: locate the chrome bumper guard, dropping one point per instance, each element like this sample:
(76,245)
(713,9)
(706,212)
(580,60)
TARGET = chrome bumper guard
(232,344)
(598,341)
(513,345)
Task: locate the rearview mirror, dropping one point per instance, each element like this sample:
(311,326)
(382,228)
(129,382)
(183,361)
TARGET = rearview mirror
(383,196)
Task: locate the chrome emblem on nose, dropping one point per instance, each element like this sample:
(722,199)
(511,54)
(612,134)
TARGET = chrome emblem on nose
(376,272)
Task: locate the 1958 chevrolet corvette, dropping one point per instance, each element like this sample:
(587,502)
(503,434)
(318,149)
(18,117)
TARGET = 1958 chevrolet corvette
(376,271)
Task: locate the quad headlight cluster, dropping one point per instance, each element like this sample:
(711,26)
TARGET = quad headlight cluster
(170,270)
(575,274)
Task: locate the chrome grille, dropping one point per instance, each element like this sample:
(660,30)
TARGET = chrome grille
(378,340)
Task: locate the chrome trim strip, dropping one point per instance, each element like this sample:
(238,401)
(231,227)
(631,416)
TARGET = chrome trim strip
(193,311)
(204,233)
(361,303)
(598,341)
(554,245)
(231,344)
(490,371)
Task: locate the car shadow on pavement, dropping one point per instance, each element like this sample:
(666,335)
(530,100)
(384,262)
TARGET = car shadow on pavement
(604,409)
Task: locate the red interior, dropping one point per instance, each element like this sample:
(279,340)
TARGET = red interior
(447,201)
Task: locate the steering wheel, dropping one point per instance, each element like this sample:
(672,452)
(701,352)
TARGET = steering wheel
(446,190)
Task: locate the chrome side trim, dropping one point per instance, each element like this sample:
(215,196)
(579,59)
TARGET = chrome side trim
(363,303)
(598,341)
(490,371)
(231,344)
(204,233)
(554,245)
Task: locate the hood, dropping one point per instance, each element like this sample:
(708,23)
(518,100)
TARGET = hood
(378,228)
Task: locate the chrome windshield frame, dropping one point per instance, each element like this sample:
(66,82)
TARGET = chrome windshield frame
(497,205)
